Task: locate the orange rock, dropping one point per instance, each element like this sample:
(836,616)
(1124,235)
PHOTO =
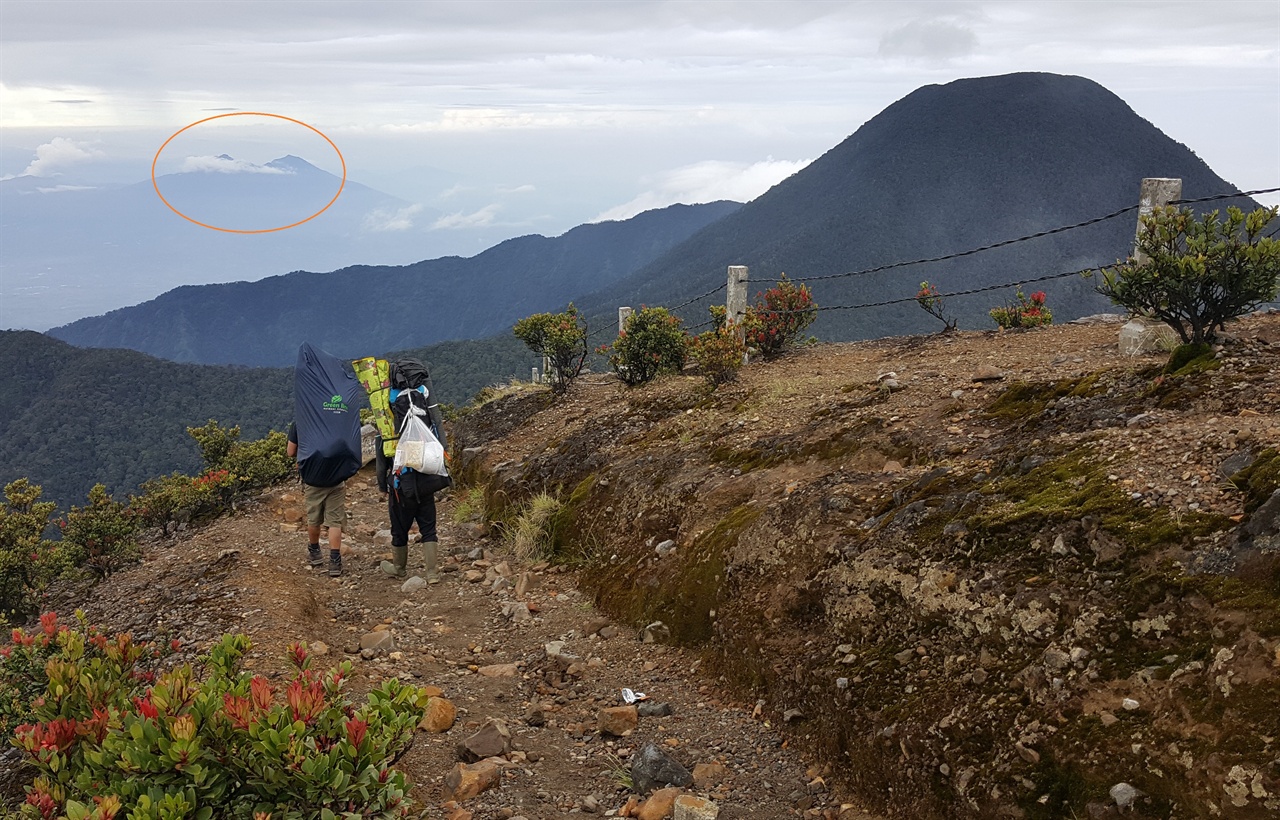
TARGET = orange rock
(439,717)
(617,720)
(659,805)
(464,782)
(630,807)
(708,775)
(499,670)
(433,691)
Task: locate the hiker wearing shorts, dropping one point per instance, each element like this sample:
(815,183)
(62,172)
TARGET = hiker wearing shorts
(326,506)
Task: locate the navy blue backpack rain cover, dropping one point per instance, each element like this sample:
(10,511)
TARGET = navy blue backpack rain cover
(326,412)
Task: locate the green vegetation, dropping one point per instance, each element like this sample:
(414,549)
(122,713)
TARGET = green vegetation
(719,353)
(561,338)
(108,735)
(1024,400)
(1201,272)
(73,418)
(651,343)
(780,314)
(530,533)
(1025,311)
(102,536)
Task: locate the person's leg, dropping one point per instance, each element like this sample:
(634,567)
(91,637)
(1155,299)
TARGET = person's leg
(313,503)
(399,538)
(426,517)
(335,518)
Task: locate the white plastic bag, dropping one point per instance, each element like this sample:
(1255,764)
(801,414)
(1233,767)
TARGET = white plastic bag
(419,449)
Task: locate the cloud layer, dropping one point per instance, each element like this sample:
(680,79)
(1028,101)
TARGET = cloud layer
(223,164)
(60,152)
(707,181)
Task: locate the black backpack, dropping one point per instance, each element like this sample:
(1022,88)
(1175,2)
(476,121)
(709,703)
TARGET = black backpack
(406,374)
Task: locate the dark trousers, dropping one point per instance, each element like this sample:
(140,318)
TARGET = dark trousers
(413,500)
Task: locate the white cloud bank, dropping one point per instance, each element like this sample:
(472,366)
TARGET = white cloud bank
(58,153)
(386,219)
(708,181)
(224,164)
(482,218)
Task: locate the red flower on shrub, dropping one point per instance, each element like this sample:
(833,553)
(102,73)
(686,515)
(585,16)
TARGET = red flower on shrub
(305,700)
(261,693)
(356,729)
(146,708)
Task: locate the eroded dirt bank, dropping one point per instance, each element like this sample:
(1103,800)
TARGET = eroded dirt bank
(1029,578)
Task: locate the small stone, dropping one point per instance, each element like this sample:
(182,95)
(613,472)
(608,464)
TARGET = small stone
(659,805)
(1124,795)
(656,632)
(379,641)
(413,584)
(608,632)
(439,717)
(648,708)
(792,715)
(493,739)
(499,670)
(466,781)
(535,715)
(319,648)
(707,776)
(987,373)
(473,576)
(692,807)
(1108,719)
(1130,704)
(651,767)
(618,721)
(590,804)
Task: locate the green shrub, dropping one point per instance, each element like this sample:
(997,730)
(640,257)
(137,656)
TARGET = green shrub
(1026,311)
(561,338)
(114,669)
(228,745)
(719,354)
(27,559)
(651,342)
(215,442)
(182,499)
(1200,272)
(779,316)
(101,536)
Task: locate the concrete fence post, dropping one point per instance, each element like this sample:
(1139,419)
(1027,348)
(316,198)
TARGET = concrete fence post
(546,368)
(1143,334)
(534,377)
(624,313)
(1156,192)
(735,301)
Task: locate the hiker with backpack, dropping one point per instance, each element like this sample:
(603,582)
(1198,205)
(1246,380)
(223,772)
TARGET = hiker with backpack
(325,440)
(418,470)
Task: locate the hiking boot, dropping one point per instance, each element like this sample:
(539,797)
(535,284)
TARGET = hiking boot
(396,567)
(314,556)
(429,558)
(335,564)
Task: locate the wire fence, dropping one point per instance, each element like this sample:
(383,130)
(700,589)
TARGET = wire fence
(610,328)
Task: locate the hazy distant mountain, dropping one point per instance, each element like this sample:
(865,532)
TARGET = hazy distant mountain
(363,310)
(73,249)
(947,168)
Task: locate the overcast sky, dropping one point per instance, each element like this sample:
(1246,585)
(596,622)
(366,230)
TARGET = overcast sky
(536,116)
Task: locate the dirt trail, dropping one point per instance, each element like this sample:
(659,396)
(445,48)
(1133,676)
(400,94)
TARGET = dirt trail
(248,573)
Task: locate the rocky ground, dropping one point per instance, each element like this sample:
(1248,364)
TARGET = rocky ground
(962,575)
(545,670)
(997,574)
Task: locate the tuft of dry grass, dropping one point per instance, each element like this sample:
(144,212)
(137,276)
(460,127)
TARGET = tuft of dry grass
(530,533)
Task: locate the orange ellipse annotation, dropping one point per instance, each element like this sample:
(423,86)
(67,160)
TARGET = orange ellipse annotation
(322,135)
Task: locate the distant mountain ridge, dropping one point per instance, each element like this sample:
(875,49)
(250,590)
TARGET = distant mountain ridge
(945,169)
(73,249)
(366,310)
